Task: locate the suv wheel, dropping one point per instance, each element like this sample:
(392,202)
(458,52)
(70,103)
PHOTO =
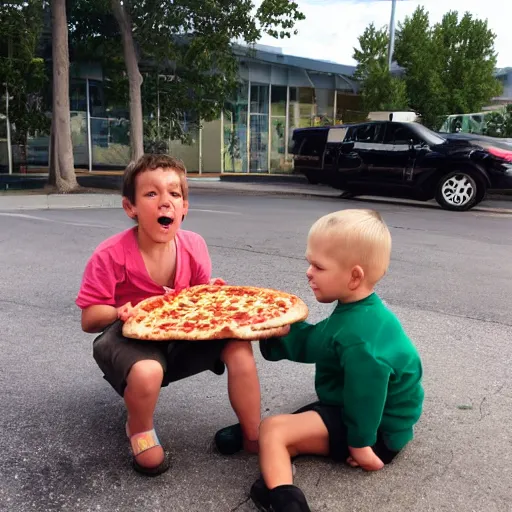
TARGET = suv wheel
(459,191)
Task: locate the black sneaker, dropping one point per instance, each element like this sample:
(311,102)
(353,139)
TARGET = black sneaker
(287,498)
(260,495)
(229,440)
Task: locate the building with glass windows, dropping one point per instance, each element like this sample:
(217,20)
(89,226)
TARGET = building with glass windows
(278,93)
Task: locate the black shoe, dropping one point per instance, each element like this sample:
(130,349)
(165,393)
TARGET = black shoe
(229,440)
(287,498)
(260,496)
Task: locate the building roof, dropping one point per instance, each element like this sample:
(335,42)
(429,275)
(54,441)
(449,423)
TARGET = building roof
(274,55)
(503,71)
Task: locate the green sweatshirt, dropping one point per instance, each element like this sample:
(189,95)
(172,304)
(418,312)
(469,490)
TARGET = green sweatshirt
(366,364)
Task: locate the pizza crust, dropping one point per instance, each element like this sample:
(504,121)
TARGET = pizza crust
(151,320)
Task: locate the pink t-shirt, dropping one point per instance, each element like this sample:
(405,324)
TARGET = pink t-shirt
(116,274)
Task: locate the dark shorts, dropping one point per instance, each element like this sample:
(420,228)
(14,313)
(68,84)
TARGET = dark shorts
(116,355)
(332,416)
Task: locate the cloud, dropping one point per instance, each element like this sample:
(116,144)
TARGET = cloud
(332,27)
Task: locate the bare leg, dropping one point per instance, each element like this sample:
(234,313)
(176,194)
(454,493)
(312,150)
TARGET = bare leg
(286,436)
(141,395)
(244,390)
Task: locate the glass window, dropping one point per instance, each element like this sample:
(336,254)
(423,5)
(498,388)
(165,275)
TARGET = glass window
(259,99)
(77,96)
(258,142)
(4,156)
(96,101)
(324,107)
(349,108)
(235,132)
(110,142)
(278,161)
(366,133)
(399,134)
(278,101)
(301,112)
(314,143)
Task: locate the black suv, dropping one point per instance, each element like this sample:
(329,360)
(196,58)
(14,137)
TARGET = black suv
(404,160)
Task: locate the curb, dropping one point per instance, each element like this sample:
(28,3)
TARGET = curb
(59,202)
(336,195)
(93,201)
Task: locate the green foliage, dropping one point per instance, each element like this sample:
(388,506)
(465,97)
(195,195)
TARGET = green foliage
(379,89)
(499,124)
(449,68)
(22,73)
(185,50)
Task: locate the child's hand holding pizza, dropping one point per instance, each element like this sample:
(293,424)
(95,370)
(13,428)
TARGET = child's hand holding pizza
(125,312)
(217,281)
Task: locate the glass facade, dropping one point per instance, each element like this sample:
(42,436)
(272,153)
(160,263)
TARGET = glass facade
(4,151)
(235,130)
(259,128)
(278,125)
(253,134)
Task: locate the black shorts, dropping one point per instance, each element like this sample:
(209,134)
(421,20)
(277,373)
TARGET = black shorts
(116,354)
(332,416)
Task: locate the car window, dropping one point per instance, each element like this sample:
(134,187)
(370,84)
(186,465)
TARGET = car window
(400,134)
(365,133)
(336,135)
(314,143)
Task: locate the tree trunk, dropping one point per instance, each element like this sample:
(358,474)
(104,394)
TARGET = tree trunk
(134,80)
(62,169)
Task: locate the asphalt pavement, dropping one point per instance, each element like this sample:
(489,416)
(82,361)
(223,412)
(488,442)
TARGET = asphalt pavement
(63,444)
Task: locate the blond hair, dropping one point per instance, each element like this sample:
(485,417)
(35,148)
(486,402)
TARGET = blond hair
(359,237)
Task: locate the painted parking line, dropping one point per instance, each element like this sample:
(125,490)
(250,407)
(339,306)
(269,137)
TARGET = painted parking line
(54,221)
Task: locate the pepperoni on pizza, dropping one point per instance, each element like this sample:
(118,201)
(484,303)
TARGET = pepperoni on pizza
(208,312)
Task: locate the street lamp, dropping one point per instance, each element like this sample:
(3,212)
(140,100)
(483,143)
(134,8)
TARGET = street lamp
(391,34)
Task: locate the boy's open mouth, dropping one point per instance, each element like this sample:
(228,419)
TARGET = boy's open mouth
(165,221)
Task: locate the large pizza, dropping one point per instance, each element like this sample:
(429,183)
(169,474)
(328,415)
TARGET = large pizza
(209,312)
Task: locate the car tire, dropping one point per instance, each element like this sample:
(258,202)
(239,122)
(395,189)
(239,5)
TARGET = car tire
(460,190)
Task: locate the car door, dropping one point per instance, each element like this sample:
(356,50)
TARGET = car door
(359,152)
(335,140)
(412,155)
(395,156)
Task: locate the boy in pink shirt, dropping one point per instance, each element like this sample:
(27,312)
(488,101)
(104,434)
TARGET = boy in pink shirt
(153,257)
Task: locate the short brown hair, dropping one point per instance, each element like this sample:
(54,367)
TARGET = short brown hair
(151,163)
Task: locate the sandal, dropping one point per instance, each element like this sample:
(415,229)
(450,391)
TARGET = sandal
(142,442)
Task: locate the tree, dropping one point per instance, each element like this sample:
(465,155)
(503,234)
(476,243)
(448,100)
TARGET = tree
(380,90)
(134,77)
(62,171)
(448,68)
(189,42)
(499,124)
(22,73)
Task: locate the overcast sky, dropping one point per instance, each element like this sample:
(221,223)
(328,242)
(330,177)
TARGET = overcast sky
(332,27)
